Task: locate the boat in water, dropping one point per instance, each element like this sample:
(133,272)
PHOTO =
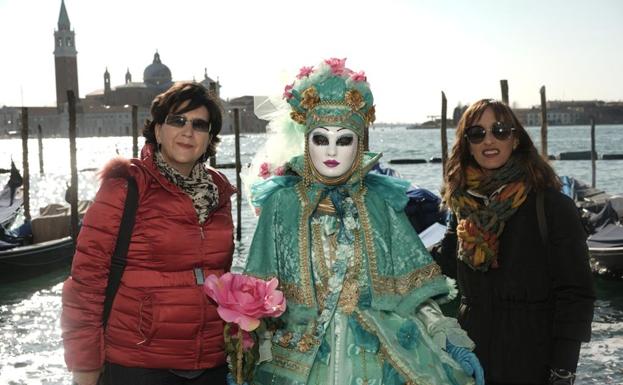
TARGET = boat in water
(602,215)
(40,245)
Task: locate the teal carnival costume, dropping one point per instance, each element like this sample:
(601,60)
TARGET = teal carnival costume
(360,286)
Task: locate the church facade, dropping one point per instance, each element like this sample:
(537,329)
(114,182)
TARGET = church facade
(108,111)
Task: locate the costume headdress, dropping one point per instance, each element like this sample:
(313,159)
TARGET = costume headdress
(331,95)
(328,94)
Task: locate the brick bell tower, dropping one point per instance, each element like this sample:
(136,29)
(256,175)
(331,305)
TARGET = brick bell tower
(65,58)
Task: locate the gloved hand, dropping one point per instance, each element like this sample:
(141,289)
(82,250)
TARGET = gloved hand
(561,377)
(468,361)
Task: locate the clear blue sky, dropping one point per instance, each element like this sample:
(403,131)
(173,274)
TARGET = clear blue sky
(410,50)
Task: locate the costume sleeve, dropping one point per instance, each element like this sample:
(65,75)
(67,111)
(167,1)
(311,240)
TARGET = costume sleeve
(572,282)
(442,329)
(419,278)
(262,259)
(84,291)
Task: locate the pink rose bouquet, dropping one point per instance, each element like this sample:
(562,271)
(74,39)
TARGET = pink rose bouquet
(242,301)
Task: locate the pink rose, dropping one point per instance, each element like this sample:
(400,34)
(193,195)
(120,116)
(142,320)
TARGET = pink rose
(280,171)
(358,76)
(264,170)
(305,71)
(337,65)
(287,92)
(243,299)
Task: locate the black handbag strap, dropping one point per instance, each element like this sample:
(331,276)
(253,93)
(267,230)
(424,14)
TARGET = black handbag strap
(118,260)
(540,215)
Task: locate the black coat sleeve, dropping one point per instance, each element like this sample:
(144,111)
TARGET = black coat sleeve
(571,280)
(446,257)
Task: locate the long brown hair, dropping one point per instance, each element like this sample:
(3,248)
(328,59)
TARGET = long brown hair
(540,175)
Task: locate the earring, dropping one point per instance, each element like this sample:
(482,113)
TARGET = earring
(515,145)
(159,146)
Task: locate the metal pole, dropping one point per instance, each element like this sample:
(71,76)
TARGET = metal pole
(444,137)
(238,181)
(40,140)
(593,153)
(73,188)
(134,131)
(504,87)
(26,170)
(543,123)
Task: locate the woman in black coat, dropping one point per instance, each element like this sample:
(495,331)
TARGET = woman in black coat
(526,287)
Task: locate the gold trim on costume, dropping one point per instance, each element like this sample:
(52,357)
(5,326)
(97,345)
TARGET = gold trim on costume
(293,291)
(304,257)
(349,297)
(326,207)
(285,362)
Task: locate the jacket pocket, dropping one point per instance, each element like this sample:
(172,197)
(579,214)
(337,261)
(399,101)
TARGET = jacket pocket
(145,320)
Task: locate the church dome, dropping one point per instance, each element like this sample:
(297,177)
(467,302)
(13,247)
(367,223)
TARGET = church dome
(157,74)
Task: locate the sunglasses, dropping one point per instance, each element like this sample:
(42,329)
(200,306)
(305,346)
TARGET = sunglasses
(476,134)
(179,121)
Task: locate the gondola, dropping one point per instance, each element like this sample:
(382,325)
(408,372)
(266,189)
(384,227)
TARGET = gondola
(37,258)
(605,244)
(601,215)
(48,248)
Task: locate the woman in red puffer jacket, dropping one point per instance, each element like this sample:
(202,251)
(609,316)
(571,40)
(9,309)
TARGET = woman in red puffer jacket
(162,328)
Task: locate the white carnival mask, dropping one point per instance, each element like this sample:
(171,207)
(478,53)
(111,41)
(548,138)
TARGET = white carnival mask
(332,150)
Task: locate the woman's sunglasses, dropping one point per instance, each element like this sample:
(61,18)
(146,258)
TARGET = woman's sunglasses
(476,134)
(179,121)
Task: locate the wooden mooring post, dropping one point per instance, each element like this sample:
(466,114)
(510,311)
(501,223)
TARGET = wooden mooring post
(444,136)
(73,188)
(25,171)
(40,140)
(504,88)
(593,154)
(543,124)
(134,131)
(238,181)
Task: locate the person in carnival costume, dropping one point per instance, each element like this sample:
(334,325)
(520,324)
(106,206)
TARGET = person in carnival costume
(361,289)
(527,291)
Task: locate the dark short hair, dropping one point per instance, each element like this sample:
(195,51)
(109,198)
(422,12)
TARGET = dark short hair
(171,101)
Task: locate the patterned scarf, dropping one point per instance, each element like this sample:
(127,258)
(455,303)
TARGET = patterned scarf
(199,186)
(483,209)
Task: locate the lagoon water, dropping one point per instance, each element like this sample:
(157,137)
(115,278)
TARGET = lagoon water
(31,350)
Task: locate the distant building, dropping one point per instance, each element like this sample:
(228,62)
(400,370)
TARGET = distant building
(564,113)
(107,111)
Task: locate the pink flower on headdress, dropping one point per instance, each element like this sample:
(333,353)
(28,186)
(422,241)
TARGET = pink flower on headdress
(287,92)
(305,71)
(358,76)
(280,171)
(337,65)
(264,171)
